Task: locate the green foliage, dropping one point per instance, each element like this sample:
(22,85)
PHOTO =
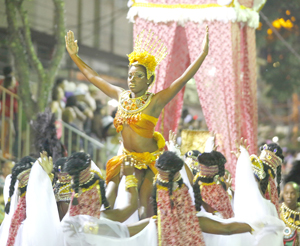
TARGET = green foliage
(25,56)
(282,71)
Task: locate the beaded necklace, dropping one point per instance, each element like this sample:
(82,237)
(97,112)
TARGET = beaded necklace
(130,109)
(290,217)
(134,105)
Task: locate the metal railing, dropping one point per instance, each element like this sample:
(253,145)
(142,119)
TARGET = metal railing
(15,133)
(15,141)
(75,140)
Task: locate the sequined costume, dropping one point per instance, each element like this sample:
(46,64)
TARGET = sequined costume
(130,112)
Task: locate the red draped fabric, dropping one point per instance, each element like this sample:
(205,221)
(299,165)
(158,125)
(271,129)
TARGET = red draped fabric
(226,81)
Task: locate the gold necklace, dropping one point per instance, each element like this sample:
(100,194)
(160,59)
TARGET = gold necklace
(290,217)
(131,106)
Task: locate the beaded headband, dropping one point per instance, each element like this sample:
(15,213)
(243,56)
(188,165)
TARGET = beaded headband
(208,171)
(271,159)
(64,178)
(257,167)
(23,177)
(147,52)
(84,174)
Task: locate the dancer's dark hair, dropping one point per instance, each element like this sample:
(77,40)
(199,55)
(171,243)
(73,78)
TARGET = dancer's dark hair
(171,163)
(24,164)
(272,147)
(209,159)
(221,160)
(45,136)
(197,194)
(213,158)
(278,152)
(75,164)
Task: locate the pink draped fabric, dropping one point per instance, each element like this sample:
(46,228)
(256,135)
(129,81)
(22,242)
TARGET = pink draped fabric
(226,81)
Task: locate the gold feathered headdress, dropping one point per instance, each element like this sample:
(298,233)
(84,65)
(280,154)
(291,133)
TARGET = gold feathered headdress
(148,52)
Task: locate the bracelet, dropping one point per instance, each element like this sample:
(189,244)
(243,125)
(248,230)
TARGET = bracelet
(131,181)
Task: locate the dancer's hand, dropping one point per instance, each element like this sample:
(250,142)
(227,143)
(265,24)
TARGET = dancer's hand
(243,143)
(228,180)
(172,141)
(172,145)
(71,45)
(46,162)
(205,44)
(214,135)
(128,166)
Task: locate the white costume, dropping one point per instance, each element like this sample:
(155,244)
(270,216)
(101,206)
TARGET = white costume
(82,230)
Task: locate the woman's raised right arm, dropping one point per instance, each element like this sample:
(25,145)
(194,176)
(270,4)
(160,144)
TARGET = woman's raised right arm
(107,88)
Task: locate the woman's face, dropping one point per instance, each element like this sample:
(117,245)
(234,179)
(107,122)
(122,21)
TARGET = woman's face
(137,80)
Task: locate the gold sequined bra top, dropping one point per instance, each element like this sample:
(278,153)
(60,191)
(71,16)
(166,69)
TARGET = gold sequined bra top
(130,112)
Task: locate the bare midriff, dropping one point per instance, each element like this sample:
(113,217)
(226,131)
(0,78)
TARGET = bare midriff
(136,143)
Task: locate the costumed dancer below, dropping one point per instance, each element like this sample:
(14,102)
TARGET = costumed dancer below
(138,111)
(210,191)
(89,190)
(250,205)
(177,223)
(290,214)
(272,158)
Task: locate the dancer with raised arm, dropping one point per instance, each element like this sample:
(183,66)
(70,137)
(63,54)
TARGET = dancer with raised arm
(138,110)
